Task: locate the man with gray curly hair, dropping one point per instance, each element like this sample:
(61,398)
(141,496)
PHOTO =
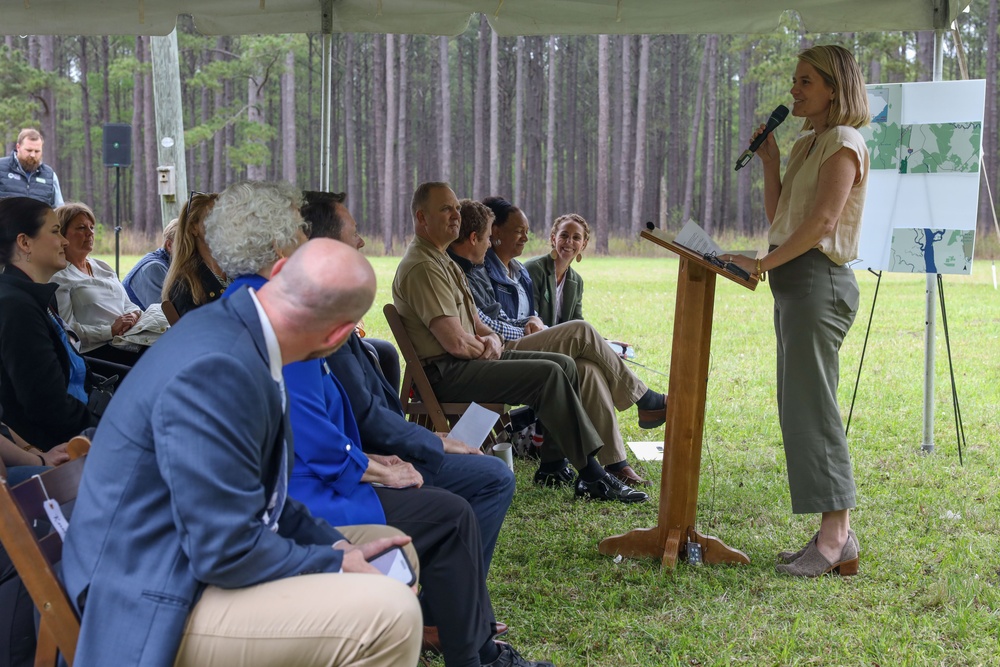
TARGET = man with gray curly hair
(254,224)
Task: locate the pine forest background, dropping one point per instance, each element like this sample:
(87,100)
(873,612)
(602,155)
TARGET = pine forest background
(620,129)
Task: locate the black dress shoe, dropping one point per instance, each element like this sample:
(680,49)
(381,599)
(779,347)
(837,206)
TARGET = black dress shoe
(555,478)
(609,488)
(509,657)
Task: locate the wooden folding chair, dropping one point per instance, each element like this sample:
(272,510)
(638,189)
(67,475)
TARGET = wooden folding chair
(22,512)
(420,405)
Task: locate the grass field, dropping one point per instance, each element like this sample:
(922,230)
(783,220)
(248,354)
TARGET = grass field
(929,588)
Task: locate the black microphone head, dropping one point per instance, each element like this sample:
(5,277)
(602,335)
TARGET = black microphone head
(650,226)
(777,117)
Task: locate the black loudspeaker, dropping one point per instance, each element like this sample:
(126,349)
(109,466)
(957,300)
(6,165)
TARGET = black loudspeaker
(117,145)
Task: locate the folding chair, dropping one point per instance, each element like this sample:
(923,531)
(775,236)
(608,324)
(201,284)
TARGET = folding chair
(420,405)
(22,512)
(170,312)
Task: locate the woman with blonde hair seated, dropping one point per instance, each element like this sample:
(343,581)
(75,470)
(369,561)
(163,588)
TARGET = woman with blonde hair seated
(194,278)
(92,301)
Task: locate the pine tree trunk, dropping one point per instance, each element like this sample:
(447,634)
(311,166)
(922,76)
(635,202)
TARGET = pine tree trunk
(203,171)
(711,102)
(627,158)
(106,114)
(494,183)
(388,178)
(288,171)
(88,147)
(47,63)
(377,118)
(550,143)
(219,139)
(519,165)
(138,215)
(405,184)
(639,174)
(479,170)
(255,115)
(350,129)
(444,109)
(603,121)
(991,128)
(693,143)
(747,107)
(147,180)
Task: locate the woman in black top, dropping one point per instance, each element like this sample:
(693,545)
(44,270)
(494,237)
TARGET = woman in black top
(194,278)
(42,378)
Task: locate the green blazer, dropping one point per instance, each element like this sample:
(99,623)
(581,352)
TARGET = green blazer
(543,278)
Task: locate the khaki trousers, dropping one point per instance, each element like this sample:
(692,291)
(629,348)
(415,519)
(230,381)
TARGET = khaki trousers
(606,383)
(313,620)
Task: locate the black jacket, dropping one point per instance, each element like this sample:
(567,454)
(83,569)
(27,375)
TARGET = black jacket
(34,365)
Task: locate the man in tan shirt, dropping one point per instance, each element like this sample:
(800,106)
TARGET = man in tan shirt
(466,361)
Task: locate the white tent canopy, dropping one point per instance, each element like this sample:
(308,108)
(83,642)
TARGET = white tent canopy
(452,17)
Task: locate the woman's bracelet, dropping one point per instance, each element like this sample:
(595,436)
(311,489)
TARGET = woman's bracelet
(761,275)
(41,458)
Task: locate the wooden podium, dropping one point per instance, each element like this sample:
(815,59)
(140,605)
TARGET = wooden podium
(685,420)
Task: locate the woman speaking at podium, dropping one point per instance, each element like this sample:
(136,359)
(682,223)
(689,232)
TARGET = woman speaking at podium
(815,213)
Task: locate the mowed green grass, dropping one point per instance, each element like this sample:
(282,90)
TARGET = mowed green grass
(929,588)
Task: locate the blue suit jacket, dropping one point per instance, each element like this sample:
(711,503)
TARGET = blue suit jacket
(183,463)
(379,414)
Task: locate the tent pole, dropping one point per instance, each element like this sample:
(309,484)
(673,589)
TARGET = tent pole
(930,310)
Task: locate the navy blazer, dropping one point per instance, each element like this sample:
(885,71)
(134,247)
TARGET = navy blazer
(379,414)
(183,464)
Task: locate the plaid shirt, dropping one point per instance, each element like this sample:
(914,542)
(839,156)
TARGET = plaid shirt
(506,329)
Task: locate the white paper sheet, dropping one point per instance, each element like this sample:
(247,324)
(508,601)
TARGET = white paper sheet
(474,426)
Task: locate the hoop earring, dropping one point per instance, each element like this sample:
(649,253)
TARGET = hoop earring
(579,257)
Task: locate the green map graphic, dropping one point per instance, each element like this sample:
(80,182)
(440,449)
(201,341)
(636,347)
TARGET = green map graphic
(931,250)
(883,144)
(940,148)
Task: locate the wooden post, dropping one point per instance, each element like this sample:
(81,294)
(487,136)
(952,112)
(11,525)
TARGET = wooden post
(689,359)
(169,121)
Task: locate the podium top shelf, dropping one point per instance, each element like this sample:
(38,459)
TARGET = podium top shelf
(660,239)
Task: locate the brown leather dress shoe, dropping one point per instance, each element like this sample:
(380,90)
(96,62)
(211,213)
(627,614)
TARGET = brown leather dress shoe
(629,476)
(432,642)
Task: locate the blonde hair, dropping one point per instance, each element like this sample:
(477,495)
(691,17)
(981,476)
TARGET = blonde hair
(70,210)
(184,257)
(841,72)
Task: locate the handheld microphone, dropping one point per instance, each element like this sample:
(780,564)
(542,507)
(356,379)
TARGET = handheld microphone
(776,119)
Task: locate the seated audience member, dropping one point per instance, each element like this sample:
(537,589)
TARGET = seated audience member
(91,299)
(465,360)
(257,222)
(484,481)
(606,383)
(17,623)
(194,278)
(144,283)
(42,378)
(558,288)
(511,284)
(329,218)
(183,532)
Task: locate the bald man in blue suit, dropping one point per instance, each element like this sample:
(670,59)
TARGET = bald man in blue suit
(184,547)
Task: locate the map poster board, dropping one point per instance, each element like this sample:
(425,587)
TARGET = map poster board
(925,143)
